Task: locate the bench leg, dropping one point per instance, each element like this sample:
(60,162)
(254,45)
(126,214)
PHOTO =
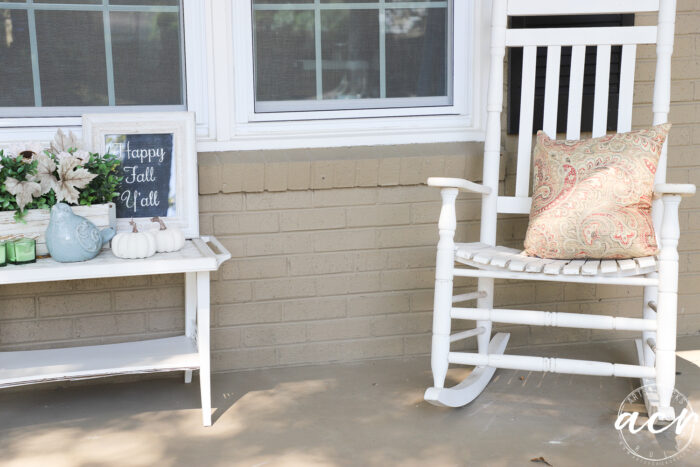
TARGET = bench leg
(203,345)
(190,312)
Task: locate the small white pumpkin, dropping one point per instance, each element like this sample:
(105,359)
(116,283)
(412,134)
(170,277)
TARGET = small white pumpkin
(167,239)
(134,244)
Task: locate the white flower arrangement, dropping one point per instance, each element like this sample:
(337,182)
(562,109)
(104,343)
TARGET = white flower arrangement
(32,175)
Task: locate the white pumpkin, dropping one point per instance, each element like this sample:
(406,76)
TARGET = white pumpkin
(134,244)
(167,239)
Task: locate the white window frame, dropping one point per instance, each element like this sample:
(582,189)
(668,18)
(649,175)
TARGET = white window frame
(238,127)
(36,126)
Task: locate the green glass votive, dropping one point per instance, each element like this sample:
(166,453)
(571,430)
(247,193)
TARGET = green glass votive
(25,251)
(10,252)
(3,256)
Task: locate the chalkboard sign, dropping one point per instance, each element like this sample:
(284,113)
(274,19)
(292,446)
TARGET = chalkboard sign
(147,188)
(159,166)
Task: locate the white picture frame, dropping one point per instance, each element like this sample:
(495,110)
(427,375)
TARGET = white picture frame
(183,210)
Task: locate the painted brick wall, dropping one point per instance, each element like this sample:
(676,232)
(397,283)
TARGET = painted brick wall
(334,251)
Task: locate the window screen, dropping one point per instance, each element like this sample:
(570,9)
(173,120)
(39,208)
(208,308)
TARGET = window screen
(85,53)
(344,54)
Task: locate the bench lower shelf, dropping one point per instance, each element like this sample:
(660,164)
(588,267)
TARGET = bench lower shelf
(73,363)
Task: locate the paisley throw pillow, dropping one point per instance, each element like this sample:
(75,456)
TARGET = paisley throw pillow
(592,198)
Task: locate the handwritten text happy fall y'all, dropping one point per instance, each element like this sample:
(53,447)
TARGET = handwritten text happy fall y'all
(133,199)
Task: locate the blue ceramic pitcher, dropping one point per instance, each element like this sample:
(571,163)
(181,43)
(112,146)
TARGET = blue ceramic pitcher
(71,238)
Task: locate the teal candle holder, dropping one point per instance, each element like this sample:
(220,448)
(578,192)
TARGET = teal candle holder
(25,250)
(3,253)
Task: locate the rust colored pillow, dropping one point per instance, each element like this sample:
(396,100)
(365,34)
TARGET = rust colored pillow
(592,198)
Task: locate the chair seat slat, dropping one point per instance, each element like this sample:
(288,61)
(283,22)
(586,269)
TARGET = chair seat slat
(646,262)
(626,264)
(504,256)
(519,262)
(484,256)
(498,256)
(468,250)
(538,265)
(574,267)
(590,267)
(608,266)
(556,266)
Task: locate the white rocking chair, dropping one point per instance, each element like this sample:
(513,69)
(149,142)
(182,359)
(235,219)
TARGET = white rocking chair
(658,275)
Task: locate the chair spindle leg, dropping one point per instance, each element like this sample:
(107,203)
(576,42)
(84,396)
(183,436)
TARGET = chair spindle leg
(444,268)
(666,307)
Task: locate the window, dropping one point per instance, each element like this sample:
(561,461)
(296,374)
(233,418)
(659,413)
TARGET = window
(65,57)
(319,73)
(330,55)
(259,74)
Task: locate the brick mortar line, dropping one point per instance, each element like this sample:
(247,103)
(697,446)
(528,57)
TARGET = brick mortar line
(109,313)
(91,314)
(90,291)
(334,229)
(325,252)
(326,274)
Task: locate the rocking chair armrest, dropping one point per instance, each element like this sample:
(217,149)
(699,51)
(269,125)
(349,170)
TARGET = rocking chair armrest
(683,189)
(459,183)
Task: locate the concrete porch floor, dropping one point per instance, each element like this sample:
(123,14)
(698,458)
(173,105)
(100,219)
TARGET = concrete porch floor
(365,414)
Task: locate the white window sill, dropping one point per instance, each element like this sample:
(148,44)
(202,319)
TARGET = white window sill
(348,132)
(285,134)
(44,129)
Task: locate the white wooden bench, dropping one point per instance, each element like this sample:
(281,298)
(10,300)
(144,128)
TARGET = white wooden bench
(187,352)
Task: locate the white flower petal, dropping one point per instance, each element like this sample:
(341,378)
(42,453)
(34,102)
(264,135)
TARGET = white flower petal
(24,191)
(15,149)
(71,177)
(83,155)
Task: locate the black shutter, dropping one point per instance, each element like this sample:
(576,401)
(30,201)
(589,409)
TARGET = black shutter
(515,65)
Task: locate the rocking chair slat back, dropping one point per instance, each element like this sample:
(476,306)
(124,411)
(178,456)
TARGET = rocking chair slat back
(573,118)
(551,90)
(557,7)
(624,108)
(602,84)
(527,103)
(603,39)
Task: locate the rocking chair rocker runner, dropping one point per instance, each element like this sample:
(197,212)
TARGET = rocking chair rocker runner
(658,275)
